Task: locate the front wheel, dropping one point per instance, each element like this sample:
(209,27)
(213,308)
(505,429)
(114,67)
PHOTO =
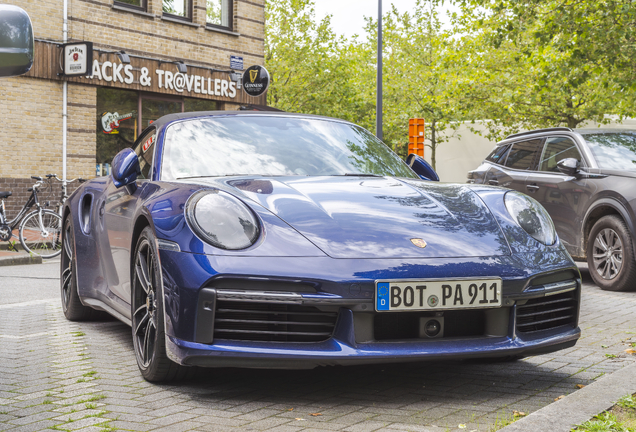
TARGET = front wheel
(148,314)
(610,256)
(41,233)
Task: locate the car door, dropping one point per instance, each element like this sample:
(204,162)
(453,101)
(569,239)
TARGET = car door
(119,210)
(521,158)
(564,197)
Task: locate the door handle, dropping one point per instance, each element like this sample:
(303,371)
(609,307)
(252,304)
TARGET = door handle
(493,182)
(532,188)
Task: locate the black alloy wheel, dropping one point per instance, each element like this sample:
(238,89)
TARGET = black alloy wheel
(148,315)
(72,307)
(610,255)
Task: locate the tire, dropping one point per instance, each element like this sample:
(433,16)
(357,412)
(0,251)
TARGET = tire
(610,255)
(148,315)
(72,307)
(46,243)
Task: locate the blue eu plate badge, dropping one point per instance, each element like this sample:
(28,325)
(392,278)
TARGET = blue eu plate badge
(382,296)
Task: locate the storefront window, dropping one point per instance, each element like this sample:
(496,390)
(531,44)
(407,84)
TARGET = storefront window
(180,8)
(116,124)
(138,4)
(219,12)
(154,107)
(190,104)
(119,122)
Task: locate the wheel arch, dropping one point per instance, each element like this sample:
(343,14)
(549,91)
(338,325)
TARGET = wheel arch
(142,220)
(606,207)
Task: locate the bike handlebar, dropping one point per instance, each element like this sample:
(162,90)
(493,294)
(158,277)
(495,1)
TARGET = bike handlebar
(36,178)
(79,179)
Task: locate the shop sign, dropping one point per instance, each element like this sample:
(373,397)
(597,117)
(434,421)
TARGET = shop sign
(255,80)
(236,62)
(77,58)
(162,79)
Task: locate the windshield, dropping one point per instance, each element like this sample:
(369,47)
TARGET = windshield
(273,146)
(614,151)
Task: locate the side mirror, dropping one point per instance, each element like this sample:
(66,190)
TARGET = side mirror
(16,41)
(421,167)
(569,166)
(125,168)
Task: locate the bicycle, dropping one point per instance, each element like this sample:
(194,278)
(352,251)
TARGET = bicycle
(59,206)
(39,231)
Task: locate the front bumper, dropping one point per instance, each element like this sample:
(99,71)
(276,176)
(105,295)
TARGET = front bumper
(194,284)
(341,349)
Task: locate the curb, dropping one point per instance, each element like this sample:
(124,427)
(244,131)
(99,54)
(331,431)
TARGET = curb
(20,259)
(580,406)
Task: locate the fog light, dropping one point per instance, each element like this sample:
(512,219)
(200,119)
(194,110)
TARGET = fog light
(431,327)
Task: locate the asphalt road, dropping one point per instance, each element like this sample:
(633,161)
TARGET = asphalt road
(25,283)
(83,376)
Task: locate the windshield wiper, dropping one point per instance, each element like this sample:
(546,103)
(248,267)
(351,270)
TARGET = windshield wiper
(361,175)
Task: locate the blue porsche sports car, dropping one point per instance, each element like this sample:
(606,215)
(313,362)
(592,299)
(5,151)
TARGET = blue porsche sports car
(275,240)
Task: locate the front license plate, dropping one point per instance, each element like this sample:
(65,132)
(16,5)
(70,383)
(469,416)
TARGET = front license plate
(436,294)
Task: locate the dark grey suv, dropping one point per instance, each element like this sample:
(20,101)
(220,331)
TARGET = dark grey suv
(586,180)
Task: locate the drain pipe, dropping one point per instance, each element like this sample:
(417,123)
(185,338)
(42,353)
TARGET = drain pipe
(64,96)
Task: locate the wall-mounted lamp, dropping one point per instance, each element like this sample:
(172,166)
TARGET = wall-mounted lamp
(181,67)
(123,57)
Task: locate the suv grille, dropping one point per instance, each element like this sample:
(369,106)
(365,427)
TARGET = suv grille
(547,312)
(272,322)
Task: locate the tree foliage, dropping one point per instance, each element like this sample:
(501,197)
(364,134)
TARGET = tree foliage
(313,71)
(424,75)
(510,65)
(530,70)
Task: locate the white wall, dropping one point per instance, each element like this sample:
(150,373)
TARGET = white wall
(466,150)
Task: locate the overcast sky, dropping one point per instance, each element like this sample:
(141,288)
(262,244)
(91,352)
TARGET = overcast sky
(348,15)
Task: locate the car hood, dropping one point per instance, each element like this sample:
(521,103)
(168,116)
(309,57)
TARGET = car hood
(363,217)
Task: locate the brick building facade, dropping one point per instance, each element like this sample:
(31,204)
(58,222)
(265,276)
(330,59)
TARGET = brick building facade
(155,35)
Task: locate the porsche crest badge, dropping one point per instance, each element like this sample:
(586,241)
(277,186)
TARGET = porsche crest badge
(419,243)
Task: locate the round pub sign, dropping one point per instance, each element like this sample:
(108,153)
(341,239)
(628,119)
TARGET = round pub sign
(255,80)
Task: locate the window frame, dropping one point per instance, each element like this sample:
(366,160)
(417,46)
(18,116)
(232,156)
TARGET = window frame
(501,162)
(540,147)
(187,19)
(143,8)
(230,26)
(584,163)
(144,135)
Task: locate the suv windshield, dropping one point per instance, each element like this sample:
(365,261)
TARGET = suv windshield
(614,151)
(270,146)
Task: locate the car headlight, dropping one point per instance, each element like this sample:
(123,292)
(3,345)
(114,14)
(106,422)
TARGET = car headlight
(222,220)
(530,216)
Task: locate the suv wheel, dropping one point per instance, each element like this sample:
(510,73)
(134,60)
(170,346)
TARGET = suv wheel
(610,255)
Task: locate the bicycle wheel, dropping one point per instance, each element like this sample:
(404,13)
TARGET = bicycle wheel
(42,236)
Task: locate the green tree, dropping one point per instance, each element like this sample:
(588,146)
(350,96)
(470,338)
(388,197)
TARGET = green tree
(527,77)
(313,71)
(423,76)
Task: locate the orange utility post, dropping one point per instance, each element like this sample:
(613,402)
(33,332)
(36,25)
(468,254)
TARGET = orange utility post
(416,136)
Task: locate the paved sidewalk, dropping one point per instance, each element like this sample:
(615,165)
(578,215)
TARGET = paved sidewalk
(58,375)
(11,258)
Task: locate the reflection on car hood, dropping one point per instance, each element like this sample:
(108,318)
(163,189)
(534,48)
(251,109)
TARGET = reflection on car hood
(358,217)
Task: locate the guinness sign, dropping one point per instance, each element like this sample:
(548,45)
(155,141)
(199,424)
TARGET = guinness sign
(255,80)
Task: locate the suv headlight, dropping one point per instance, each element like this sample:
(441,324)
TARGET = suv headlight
(222,220)
(530,216)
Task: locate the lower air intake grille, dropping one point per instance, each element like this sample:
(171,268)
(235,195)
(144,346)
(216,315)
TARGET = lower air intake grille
(271,322)
(547,312)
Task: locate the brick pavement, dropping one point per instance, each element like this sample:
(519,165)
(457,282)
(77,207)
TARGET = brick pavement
(58,375)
